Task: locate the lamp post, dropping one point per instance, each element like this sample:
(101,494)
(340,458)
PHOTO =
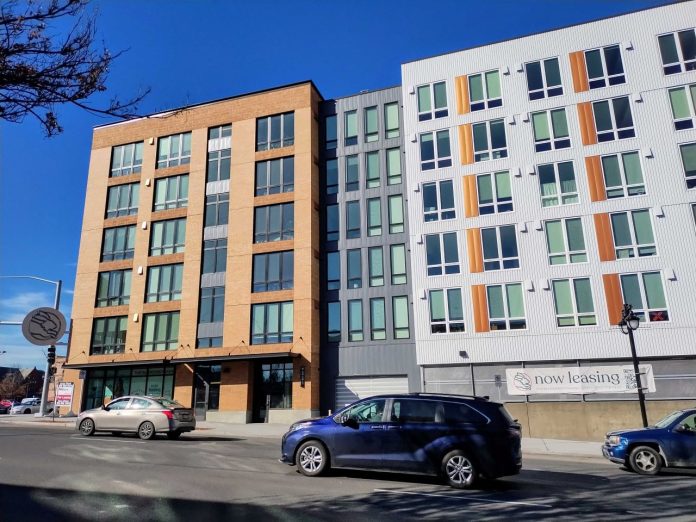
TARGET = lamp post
(629,323)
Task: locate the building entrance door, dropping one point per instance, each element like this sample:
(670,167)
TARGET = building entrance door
(272,385)
(206,389)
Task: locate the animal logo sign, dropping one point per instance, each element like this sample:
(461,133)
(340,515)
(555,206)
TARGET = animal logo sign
(44,326)
(522,382)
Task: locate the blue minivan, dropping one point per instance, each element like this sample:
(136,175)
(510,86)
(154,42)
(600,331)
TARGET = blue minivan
(460,438)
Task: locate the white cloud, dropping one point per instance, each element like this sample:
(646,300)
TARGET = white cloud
(16,307)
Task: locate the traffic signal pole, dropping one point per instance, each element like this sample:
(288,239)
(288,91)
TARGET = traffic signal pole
(50,359)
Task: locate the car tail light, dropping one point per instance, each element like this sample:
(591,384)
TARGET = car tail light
(169,414)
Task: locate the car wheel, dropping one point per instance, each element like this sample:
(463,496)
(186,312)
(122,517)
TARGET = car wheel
(312,458)
(459,470)
(27,411)
(87,427)
(173,435)
(146,430)
(645,460)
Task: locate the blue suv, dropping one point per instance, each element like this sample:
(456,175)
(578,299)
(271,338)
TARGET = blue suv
(457,437)
(671,443)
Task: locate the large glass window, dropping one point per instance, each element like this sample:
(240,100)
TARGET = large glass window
(354,268)
(484,91)
(683,102)
(572,299)
(400,317)
(174,150)
(171,192)
(352,219)
(113,288)
(489,140)
(333,223)
(168,237)
(371,124)
(494,192)
(623,175)
(391,120)
(274,223)
(101,386)
(435,150)
(688,156)
(332,176)
(506,307)
(543,79)
(274,132)
(333,270)
(160,332)
(355,320)
(273,271)
(396,214)
(272,323)
(109,335)
(119,243)
(565,241)
(374,217)
(550,130)
(378,319)
(438,201)
(351,128)
(397,255)
(442,254)
(604,67)
(557,184)
(126,159)
(432,101)
(217,209)
(122,200)
(393,166)
(275,176)
(372,169)
(678,51)
(219,153)
(376,266)
(633,234)
(164,283)
(500,248)
(613,119)
(334,322)
(645,293)
(352,173)
(446,311)
(212,305)
(214,256)
(331,132)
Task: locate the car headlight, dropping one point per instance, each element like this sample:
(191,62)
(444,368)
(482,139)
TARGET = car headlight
(298,426)
(615,440)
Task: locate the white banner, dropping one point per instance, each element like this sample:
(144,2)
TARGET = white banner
(578,380)
(64,394)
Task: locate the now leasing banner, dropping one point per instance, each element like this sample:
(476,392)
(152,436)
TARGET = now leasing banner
(580,380)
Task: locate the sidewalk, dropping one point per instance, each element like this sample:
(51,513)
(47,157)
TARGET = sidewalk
(206,429)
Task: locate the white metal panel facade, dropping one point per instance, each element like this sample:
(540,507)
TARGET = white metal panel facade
(351,389)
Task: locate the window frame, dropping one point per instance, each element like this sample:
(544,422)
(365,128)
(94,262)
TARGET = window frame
(170,342)
(399,328)
(269,143)
(333,274)
(331,144)
(352,168)
(136,163)
(499,204)
(681,63)
(331,233)
(332,176)
(437,162)
(606,78)
(179,242)
(172,285)
(486,102)
(333,336)
(396,227)
(690,179)
(181,189)
(264,171)
(553,142)
(396,275)
(645,313)
(353,232)
(353,268)
(615,133)
(133,202)
(389,158)
(271,337)
(575,315)
(566,254)
(372,181)
(122,280)
(217,249)
(440,212)
(689,91)
(391,132)
(350,139)
(378,334)
(545,90)
(434,112)
(262,282)
(182,156)
(447,324)
(443,266)
(625,187)
(371,135)
(562,198)
(634,247)
(129,244)
(374,229)
(500,259)
(375,279)
(507,321)
(211,305)
(118,334)
(355,331)
(489,153)
(287,226)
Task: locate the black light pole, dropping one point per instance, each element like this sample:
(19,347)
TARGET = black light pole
(630,322)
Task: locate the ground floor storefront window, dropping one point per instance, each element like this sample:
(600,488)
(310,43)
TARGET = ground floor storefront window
(104,385)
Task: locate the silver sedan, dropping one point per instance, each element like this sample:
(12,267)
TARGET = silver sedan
(145,416)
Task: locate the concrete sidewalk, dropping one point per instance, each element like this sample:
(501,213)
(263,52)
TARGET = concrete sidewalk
(205,429)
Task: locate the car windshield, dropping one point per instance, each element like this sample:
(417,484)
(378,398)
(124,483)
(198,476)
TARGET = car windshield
(669,419)
(167,403)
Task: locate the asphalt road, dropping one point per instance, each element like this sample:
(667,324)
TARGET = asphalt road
(50,473)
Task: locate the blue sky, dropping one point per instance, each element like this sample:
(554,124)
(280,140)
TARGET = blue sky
(190,51)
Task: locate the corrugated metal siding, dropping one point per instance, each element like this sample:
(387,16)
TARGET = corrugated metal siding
(351,389)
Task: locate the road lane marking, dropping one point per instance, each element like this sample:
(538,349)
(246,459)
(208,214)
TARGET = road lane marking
(466,497)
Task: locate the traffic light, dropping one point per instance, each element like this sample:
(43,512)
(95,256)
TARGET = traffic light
(51,355)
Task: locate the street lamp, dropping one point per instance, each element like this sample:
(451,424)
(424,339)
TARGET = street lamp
(629,323)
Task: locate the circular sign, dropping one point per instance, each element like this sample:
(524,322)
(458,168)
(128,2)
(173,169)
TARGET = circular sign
(44,326)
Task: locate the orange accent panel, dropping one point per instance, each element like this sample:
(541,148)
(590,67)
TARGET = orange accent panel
(595,178)
(605,239)
(466,144)
(579,70)
(461,85)
(587,126)
(473,243)
(612,291)
(470,197)
(478,297)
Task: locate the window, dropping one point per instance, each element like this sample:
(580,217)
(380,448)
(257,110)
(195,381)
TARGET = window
(119,243)
(374,217)
(623,175)
(333,270)
(446,311)
(274,132)
(351,128)
(400,317)
(275,176)
(376,266)
(442,254)
(613,119)
(678,51)
(683,102)
(168,237)
(432,101)
(565,241)
(126,159)
(273,271)
(393,166)
(332,223)
(171,192)
(371,125)
(354,268)
(378,319)
(484,91)
(391,120)
(217,209)
(500,248)
(438,201)
(331,132)
(506,307)
(352,219)
(633,234)
(209,342)
(543,79)
(219,153)
(352,173)
(396,214)
(212,305)
(604,67)
(122,200)
(214,256)
(274,223)
(489,140)
(645,293)
(334,322)
(367,411)
(160,332)
(435,150)
(113,288)
(557,183)
(174,150)
(494,193)
(550,130)
(164,283)
(573,301)
(688,156)
(372,169)
(397,254)
(109,335)
(272,323)
(355,320)
(332,176)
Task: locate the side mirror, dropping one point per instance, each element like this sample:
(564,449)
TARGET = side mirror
(684,428)
(105,407)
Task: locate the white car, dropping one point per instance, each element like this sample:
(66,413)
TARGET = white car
(28,406)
